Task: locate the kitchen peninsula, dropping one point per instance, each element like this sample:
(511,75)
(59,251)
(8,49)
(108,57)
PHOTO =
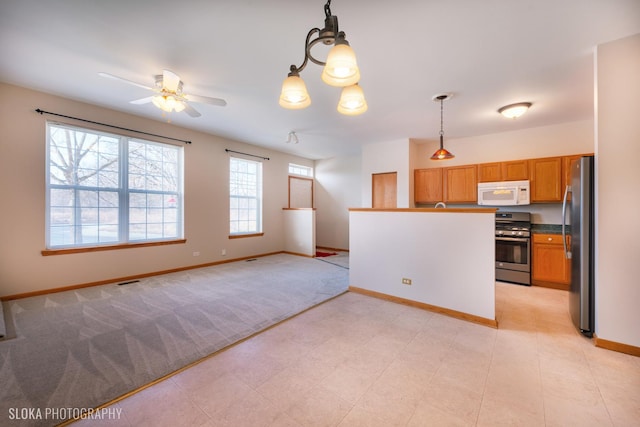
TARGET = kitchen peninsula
(441,260)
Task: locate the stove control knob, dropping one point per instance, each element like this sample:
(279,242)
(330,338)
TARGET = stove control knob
(520,233)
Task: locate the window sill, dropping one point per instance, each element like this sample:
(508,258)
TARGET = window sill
(48,252)
(242,236)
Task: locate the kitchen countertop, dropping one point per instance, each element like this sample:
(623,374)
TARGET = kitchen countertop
(549,229)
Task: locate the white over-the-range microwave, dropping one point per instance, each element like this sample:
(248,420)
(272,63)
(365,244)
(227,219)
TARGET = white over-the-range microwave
(504,193)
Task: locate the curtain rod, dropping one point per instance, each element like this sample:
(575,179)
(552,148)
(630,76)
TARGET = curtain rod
(246,154)
(111,126)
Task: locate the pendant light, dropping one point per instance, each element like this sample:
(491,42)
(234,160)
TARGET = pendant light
(442,153)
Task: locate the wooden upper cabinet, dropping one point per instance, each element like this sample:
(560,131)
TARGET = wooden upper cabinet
(427,185)
(516,170)
(546,179)
(490,172)
(461,184)
(567,163)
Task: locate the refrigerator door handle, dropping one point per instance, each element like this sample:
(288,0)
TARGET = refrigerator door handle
(567,253)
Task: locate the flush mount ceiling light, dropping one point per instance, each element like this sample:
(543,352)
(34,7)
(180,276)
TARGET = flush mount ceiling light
(340,69)
(442,153)
(513,111)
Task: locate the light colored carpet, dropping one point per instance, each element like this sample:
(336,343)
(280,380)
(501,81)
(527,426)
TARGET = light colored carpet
(80,349)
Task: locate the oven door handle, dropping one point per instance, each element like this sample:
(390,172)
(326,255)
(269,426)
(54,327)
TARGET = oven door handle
(513,239)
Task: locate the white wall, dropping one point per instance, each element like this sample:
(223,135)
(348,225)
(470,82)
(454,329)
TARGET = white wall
(381,157)
(617,313)
(300,231)
(337,188)
(22,186)
(389,246)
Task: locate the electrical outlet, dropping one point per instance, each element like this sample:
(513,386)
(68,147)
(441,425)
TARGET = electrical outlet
(196,254)
(224,252)
(406,281)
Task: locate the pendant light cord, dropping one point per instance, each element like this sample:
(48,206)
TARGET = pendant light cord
(441,123)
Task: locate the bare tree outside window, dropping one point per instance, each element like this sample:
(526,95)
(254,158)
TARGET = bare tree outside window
(107,188)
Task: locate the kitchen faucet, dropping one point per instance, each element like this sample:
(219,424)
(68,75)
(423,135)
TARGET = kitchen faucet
(441,205)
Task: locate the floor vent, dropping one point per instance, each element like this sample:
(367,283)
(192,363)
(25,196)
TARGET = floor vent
(128,283)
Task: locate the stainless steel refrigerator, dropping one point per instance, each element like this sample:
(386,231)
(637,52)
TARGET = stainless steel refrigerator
(581,251)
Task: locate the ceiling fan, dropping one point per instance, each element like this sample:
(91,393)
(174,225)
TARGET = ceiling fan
(168,94)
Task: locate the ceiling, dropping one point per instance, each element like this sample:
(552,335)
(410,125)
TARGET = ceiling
(486,53)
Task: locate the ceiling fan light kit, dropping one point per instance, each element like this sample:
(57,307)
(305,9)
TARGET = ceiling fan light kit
(513,111)
(169,96)
(340,69)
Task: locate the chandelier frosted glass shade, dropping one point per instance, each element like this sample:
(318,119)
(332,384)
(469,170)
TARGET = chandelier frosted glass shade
(352,101)
(341,69)
(294,93)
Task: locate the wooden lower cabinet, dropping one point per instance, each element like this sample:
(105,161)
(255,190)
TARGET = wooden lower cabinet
(550,268)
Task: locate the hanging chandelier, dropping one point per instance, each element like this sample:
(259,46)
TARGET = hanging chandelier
(340,69)
(442,153)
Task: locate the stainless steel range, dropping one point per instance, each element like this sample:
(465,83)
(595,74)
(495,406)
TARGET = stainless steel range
(513,247)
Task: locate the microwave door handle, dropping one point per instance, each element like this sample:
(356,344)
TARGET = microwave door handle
(567,253)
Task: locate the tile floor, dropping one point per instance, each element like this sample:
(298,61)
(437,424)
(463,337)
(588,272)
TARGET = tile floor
(360,361)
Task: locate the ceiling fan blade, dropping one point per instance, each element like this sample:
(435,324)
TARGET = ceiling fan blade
(191,111)
(111,76)
(206,100)
(142,100)
(170,81)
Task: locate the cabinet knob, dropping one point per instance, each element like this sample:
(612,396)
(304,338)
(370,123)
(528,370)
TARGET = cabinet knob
(549,238)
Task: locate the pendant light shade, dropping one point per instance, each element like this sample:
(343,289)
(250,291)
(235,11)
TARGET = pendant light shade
(442,153)
(294,93)
(352,101)
(341,68)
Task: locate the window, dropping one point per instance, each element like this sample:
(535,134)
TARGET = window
(300,170)
(245,190)
(110,189)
